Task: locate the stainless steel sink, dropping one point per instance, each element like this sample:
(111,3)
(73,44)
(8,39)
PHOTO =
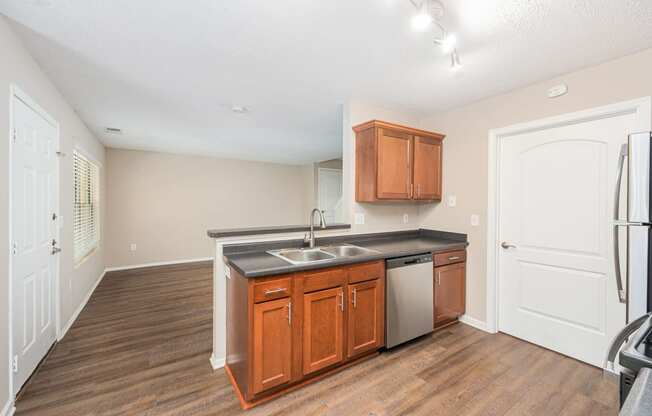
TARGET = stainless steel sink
(347,250)
(319,254)
(301,256)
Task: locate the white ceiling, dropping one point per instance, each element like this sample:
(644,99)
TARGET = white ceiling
(167,71)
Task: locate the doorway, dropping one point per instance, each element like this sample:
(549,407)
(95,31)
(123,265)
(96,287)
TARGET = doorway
(551,278)
(34,235)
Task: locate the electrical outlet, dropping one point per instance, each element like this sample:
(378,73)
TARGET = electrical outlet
(406,218)
(133,247)
(452,200)
(475,220)
(359,218)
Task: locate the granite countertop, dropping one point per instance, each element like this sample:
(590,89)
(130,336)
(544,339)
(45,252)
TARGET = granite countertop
(275,229)
(252,260)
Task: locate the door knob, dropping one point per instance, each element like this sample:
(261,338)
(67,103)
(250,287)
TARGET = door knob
(506,245)
(55,249)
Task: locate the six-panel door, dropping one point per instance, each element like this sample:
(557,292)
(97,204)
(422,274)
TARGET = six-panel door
(449,286)
(365,317)
(427,168)
(272,339)
(394,179)
(322,329)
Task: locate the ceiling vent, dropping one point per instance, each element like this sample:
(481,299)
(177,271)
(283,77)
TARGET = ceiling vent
(112,130)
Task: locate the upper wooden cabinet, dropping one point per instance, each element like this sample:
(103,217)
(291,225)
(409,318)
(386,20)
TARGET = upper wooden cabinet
(395,162)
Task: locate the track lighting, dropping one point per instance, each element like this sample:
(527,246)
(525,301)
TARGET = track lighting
(429,13)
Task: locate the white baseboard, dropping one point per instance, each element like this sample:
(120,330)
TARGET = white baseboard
(75,314)
(8,409)
(481,325)
(160,263)
(217,362)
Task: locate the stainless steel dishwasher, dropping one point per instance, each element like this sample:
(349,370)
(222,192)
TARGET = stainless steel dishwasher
(409,298)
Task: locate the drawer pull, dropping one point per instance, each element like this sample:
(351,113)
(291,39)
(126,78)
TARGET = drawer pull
(454,258)
(270,292)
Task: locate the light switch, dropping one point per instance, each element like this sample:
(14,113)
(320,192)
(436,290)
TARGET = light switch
(452,200)
(359,218)
(133,247)
(406,218)
(475,220)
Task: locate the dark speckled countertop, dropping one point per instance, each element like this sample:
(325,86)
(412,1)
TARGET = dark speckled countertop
(252,260)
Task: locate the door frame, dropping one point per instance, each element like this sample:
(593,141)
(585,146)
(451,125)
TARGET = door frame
(641,108)
(16,93)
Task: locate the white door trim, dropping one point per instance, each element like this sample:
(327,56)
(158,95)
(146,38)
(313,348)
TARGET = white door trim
(15,91)
(640,107)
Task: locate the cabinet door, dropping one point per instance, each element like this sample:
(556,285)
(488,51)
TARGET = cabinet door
(272,349)
(427,168)
(366,317)
(322,329)
(449,286)
(394,165)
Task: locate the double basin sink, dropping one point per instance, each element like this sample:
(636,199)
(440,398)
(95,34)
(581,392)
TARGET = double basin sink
(319,254)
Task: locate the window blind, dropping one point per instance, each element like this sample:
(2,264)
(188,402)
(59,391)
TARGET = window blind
(86,209)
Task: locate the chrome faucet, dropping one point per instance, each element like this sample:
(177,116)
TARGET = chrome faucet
(310,237)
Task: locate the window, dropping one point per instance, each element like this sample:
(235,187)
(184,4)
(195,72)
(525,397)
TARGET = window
(87,207)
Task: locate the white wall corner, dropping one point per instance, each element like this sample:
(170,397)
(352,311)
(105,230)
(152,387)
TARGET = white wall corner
(217,363)
(476,323)
(8,409)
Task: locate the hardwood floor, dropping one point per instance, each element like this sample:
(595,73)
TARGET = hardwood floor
(141,347)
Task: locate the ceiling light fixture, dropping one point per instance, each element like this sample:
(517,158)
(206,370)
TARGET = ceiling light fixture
(430,12)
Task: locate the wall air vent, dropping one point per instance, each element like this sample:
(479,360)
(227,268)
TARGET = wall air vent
(112,130)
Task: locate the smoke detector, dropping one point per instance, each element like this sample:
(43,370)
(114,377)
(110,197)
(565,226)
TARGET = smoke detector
(239,109)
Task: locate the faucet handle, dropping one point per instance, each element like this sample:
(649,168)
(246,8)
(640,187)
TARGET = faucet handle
(306,238)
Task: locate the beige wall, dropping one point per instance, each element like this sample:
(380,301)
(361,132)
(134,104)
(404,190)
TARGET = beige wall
(20,69)
(164,203)
(466,149)
(378,216)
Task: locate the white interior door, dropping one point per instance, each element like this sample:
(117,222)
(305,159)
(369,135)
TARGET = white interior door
(330,194)
(34,266)
(557,284)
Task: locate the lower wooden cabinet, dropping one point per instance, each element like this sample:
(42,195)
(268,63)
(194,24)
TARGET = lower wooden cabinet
(366,317)
(323,317)
(284,331)
(272,344)
(450,293)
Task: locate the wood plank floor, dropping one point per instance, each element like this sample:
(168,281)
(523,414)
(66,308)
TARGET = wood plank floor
(141,347)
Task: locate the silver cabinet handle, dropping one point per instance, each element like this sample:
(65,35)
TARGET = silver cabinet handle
(454,258)
(622,294)
(438,278)
(355,298)
(273,291)
(341,294)
(506,245)
(290,313)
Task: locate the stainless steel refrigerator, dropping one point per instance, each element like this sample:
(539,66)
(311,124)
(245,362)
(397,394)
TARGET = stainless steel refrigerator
(633,277)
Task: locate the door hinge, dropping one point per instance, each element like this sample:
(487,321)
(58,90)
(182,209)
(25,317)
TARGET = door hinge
(14,248)
(14,364)
(54,216)
(14,135)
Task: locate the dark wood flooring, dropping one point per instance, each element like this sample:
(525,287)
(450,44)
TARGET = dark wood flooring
(141,347)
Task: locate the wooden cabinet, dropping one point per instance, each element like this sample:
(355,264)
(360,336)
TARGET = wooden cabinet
(272,344)
(394,180)
(449,288)
(285,331)
(323,317)
(366,317)
(395,162)
(427,168)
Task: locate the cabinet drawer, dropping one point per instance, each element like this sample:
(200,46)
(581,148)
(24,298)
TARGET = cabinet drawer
(368,271)
(323,279)
(272,289)
(450,257)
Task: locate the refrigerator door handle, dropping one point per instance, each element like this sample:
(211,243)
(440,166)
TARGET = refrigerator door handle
(622,295)
(619,339)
